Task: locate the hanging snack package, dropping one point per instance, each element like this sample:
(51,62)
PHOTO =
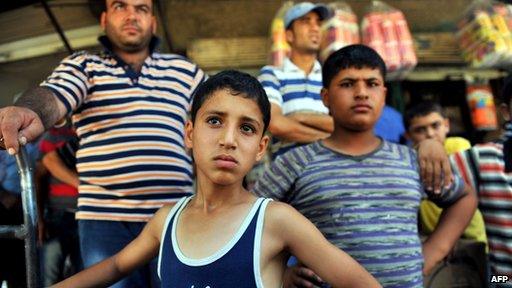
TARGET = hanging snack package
(484,35)
(279,48)
(385,29)
(481,106)
(338,31)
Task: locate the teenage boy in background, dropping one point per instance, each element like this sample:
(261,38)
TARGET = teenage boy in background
(427,120)
(363,193)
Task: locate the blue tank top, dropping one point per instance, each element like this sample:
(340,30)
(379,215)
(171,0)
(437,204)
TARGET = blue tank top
(237,264)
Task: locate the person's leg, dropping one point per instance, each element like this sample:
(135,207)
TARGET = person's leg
(53,261)
(12,251)
(102,239)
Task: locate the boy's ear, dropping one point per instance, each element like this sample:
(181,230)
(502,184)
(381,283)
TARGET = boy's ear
(407,136)
(324,93)
(262,148)
(189,131)
(505,112)
(447,125)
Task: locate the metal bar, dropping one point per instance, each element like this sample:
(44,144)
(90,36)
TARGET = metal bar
(28,198)
(56,25)
(12,231)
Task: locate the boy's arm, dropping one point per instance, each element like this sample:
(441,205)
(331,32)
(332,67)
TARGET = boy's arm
(139,252)
(302,239)
(59,170)
(451,225)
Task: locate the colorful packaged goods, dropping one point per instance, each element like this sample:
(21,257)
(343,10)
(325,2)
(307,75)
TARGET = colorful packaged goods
(484,34)
(385,29)
(338,31)
(279,48)
(481,106)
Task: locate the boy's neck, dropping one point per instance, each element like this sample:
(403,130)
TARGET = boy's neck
(211,196)
(354,143)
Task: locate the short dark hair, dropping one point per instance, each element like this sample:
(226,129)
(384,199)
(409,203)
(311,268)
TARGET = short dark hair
(238,84)
(421,109)
(352,56)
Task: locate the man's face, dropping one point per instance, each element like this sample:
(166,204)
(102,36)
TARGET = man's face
(430,126)
(304,33)
(129,24)
(355,98)
(226,138)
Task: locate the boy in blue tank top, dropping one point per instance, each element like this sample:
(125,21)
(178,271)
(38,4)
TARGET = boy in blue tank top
(224,236)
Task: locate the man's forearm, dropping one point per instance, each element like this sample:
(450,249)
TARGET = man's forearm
(43,102)
(293,131)
(321,122)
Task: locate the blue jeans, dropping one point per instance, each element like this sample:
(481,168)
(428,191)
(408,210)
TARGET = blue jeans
(102,239)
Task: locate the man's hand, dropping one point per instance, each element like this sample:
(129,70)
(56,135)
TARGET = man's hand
(435,167)
(299,276)
(18,125)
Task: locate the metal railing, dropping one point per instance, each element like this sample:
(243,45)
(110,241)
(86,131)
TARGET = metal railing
(28,230)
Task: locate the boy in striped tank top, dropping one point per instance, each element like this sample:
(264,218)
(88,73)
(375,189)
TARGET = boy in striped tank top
(487,168)
(224,236)
(361,191)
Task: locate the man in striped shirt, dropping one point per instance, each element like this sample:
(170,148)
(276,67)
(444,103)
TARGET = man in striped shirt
(129,106)
(488,169)
(298,114)
(362,192)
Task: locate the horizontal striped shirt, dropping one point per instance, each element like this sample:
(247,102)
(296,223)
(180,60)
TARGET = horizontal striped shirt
(366,205)
(291,89)
(483,167)
(131,159)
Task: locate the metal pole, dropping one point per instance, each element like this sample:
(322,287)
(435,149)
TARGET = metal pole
(57,27)
(28,195)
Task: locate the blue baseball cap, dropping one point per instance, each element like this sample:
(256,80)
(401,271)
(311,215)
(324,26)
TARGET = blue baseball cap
(303,8)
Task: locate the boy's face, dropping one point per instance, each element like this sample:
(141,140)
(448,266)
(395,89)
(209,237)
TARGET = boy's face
(430,126)
(355,98)
(226,137)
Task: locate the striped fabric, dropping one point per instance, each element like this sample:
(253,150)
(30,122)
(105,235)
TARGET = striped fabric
(365,205)
(132,158)
(293,91)
(483,167)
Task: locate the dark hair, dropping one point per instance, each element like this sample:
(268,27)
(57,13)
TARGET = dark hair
(353,56)
(238,84)
(506,92)
(421,109)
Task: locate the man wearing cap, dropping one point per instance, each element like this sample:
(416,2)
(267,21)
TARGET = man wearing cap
(298,114)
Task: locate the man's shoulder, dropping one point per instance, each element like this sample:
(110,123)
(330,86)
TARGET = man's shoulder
(173,58)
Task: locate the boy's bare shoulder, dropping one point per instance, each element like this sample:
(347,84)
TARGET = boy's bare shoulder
(280,213)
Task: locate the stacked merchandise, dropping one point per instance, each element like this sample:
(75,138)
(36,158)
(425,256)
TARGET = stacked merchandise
(484,34)
(385,29)
(338,31)
(279,48)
